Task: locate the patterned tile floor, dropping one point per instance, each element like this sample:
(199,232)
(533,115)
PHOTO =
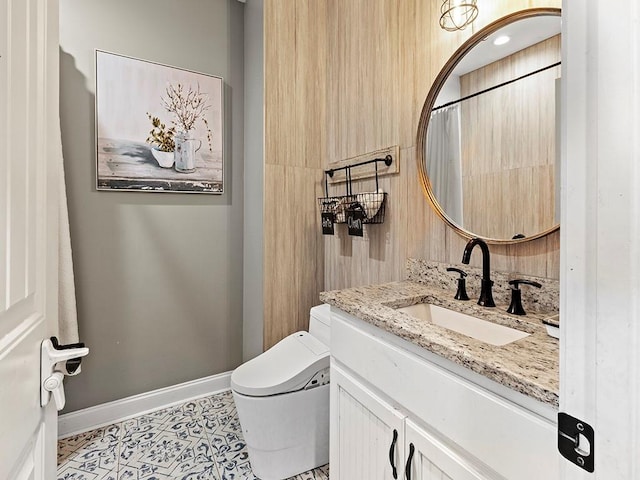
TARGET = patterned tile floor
(198,440)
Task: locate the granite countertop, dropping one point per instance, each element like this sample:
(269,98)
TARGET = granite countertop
(529,366)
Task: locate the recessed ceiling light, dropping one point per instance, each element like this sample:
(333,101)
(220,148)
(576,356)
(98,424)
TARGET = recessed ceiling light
(501,40)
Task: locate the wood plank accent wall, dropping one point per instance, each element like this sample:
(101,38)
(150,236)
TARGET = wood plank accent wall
(343,78)
(295,154)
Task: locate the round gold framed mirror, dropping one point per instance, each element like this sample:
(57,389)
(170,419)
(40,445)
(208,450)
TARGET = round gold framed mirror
(487,146)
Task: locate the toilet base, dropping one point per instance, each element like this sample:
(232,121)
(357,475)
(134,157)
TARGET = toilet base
(285,434)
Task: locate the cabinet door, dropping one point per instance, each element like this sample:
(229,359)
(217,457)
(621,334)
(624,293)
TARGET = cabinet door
(430,459)
(367,434)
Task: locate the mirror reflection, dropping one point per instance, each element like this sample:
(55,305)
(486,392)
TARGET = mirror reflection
(491,153)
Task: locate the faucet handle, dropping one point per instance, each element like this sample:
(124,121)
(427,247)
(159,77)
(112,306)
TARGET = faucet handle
(461,294)
(457,270)
(521,281)
(515,307)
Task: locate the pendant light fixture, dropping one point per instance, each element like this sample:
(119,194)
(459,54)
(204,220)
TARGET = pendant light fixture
(457,14)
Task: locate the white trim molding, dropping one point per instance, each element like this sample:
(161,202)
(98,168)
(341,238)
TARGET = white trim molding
(125,408)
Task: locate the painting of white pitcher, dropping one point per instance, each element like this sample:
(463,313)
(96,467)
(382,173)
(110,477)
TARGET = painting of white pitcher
(185,153)
(159,128)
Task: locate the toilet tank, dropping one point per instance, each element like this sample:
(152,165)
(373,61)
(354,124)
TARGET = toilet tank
(320,323)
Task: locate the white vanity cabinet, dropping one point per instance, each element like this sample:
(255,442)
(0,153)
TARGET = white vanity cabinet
(370,439)
(456,428)
(369,433)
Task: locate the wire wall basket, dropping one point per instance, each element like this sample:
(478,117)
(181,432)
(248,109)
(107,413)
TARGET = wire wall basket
(353,209)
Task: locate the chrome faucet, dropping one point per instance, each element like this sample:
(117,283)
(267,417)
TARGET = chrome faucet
(486,297)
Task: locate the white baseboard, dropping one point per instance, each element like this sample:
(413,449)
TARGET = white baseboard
(119,410)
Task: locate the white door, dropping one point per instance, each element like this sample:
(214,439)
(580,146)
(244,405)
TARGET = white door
(367,434)
(29,163)
(600,234)
(430,459)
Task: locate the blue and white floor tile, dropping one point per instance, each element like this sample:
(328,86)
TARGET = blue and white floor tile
(91,455)
(198,440)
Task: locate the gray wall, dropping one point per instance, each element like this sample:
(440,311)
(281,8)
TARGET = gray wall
(254,179)
(158,276)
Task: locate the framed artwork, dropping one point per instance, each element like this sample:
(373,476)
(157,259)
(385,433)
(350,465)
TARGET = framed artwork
(158,128)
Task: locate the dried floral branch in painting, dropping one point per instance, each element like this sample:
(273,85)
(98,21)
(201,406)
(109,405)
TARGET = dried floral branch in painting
(188,106)
(161,136)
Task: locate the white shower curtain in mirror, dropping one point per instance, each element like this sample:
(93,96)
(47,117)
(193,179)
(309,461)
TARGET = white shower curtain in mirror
(444,164)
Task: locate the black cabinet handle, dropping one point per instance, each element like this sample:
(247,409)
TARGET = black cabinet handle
(407,468)
(392,453)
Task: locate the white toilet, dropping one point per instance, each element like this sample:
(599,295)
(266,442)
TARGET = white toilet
(282,398)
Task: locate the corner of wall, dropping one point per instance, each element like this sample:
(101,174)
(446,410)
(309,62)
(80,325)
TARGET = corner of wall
(253,308)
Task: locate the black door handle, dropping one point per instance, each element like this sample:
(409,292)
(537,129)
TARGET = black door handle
(407,468)
(392,451)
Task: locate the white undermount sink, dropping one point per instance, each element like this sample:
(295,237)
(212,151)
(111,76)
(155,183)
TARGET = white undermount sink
(473,327)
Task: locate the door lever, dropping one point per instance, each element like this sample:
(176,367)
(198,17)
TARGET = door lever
(56,361)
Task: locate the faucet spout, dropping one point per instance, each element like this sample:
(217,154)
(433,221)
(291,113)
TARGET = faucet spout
(486,295)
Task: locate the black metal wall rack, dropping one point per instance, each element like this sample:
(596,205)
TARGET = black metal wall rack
(357,209)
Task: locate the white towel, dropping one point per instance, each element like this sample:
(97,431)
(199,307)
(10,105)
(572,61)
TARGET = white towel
(67,311)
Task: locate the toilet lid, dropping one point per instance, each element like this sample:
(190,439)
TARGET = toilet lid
(285,367)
